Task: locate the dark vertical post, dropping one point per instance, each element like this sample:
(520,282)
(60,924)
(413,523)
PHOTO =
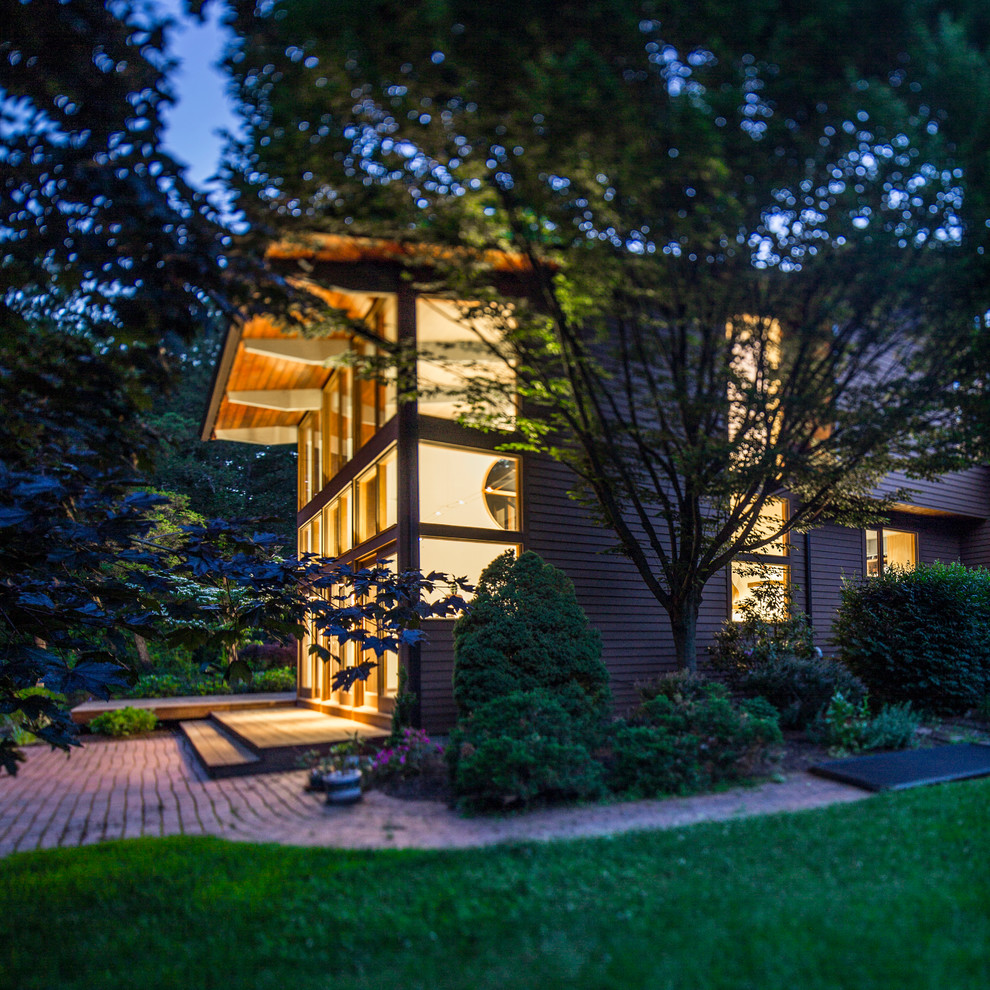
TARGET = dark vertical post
(407,475)
(808,599)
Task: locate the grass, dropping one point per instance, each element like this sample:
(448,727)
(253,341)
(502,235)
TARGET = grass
(893,892)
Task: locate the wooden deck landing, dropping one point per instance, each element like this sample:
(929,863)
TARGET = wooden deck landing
(194,706)
(266,730)
(231,743)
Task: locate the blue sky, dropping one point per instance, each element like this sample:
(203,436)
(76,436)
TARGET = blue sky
(202,108)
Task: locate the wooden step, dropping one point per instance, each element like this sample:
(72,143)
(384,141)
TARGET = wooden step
(220,754)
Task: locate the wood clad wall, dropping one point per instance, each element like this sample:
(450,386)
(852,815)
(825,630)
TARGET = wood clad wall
(837,553)
(975,545)
(437,709)
(965,492)
(636,637)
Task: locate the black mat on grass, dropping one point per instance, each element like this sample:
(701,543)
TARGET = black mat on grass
(909,767)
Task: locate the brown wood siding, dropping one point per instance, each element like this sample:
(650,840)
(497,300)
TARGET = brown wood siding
(636,638)
(438,712)
(975,545)
(836,553)
(966,493)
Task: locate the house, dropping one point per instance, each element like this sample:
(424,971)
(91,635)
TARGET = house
(381,479)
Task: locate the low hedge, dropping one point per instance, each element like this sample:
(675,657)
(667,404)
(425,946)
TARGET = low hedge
(174,686)
(124,722)
(680,746)
(921,636)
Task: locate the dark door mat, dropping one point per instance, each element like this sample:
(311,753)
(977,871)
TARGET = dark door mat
(909,767)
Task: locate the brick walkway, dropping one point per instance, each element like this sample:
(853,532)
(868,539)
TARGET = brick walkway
(152,787)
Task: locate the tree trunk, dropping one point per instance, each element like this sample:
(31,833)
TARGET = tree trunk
(144,659)
(684,625)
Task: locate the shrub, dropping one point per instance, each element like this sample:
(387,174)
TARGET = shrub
(411,755)
(124,722)
(771,654)
(266,656)
(893,727)
(521,748)
(680,685)
(156,686)
(526,630)
(275,679)
(800,687)
(771,628)
(846,726)
(921,636)
(679,746)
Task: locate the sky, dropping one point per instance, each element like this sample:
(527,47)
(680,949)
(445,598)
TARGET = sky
(202,107)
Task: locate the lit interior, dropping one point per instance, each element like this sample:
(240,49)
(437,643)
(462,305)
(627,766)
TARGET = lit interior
(453,354)
(747,576)
(468,488)
(900,549)
(459,558)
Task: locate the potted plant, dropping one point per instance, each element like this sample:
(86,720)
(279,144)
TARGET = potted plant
(342,771)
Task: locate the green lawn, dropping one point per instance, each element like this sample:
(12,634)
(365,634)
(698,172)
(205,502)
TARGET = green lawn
(891,893)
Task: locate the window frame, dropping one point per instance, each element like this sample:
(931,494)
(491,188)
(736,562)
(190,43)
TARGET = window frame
(880,530)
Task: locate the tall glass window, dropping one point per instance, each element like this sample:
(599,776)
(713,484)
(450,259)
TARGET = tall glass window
(310,458)
(764,567)
(460,558)
(454,357)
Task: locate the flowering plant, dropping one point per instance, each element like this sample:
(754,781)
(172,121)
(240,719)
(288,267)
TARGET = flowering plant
(409,756)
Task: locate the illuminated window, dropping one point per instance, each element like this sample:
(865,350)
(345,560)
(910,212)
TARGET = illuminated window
(459,558)
(748,576)
(899,549)
(468,488)
(455,357)
(772,517)
(765,567)
(310,458)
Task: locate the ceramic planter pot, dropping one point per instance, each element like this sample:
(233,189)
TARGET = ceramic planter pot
(342,786)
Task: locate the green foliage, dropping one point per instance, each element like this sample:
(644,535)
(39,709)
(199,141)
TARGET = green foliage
(274,679)
(199,685)
(412,754)
(687,184)
(921,636)
(771,627)
(680,685)
(524,630)
(800,687)
(681,745)
(520,749)
(847,727)
(771,654)
(124,722)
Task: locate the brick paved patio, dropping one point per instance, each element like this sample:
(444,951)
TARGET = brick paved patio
(152,787)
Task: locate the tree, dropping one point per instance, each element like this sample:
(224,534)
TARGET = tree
(107,254)
(756,232)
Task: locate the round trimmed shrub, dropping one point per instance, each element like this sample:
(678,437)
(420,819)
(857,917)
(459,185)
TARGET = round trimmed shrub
(921,636)
(519,749)
(526,630)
